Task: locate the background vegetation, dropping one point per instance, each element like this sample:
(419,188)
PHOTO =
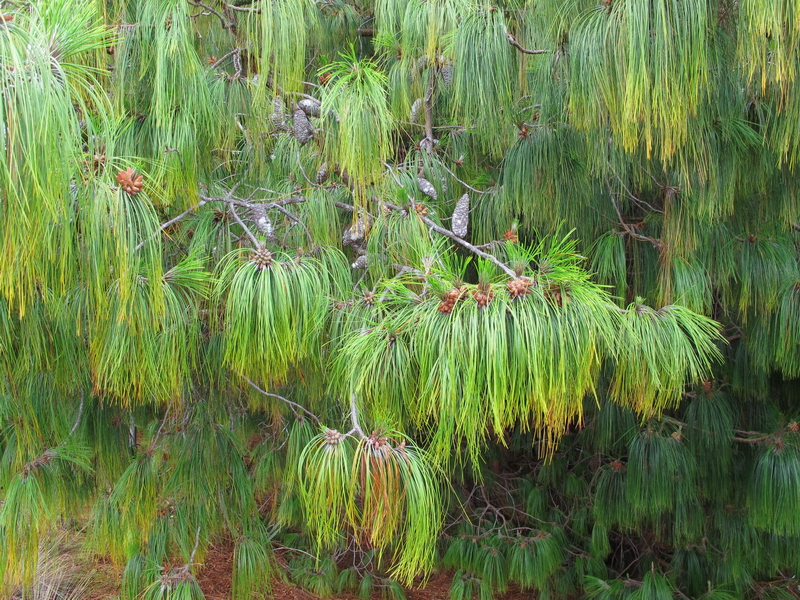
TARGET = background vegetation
(509,288)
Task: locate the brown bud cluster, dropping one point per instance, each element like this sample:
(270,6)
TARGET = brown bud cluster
(130,181)
(262,258)
(449,301)
(421,209)
(511,236)
(519,287)
(555,295)
(483,297)
(97,163)
(333,437)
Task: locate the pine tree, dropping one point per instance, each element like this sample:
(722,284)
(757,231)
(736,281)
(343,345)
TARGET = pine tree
(508,288)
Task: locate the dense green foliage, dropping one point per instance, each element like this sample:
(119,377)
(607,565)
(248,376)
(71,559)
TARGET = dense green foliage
(508,288)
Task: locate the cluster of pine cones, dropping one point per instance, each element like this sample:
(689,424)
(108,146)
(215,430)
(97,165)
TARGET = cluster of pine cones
(130,181)
(483,297)
(262,258)
(450,300)
(519,287)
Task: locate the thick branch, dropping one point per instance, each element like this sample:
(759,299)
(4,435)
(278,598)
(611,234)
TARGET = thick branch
(429,140)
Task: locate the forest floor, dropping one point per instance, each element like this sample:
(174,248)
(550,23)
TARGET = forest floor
(214,578)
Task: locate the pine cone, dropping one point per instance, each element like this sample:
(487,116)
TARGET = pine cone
(262,258)
(259,216)
(483,297)
(278,116)
(322,174)
(519,287)
(426,187)
(511,236)
(310,107)
(416,110)
(460,221)
(447,75)
(303,129)
(130,181)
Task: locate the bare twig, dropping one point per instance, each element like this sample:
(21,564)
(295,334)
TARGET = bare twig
(281,398)
(244,227)
(170,223)
(80,415)
(354,418)
(224,56)
(226,24)
(295,219)
(429,141)
(513,41)
(459,181)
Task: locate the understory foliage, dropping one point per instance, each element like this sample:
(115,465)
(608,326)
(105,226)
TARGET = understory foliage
(364,289)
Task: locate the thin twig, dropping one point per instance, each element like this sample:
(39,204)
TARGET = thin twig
(453,236)
(429,113)
(354,418)
(513,41)
(170,223)
(226,24)
(474,249)
(246,229)
(286,400)
(459,181)
(224,56)
(80,414)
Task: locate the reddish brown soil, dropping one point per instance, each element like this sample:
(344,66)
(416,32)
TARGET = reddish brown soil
(214,578)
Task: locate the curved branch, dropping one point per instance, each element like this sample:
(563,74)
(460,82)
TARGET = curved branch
(513,41)
(281,398)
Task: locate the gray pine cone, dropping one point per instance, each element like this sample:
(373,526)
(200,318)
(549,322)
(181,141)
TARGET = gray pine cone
(460,221)
(303,129)
(426,187)
(310,107)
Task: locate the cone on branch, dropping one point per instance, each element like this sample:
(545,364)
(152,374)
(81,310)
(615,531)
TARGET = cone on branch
(130,181)
(278,116)
(426,187)
(322,174)
(460,221)
(416,111)
(309,106)
(259,216)
(303,129)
